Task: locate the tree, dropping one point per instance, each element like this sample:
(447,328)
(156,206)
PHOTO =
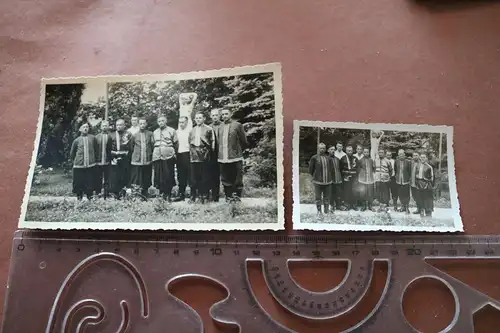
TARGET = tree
(62,102)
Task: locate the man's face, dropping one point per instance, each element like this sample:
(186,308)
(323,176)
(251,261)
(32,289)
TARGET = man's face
(366,152)
(142,124)
(134,121)
(331,150)
(416,157)
(388,155)
(162,121)
(349,151)
(84,129)
(321,149)
(359,150)
(185,100)
(339,147)
(423,158)
(433,155)
(199,119)
(401,153)
(182,122)
(91,116)
(120,125)
(215,116)
(226,115)
(381,153)
(104,126)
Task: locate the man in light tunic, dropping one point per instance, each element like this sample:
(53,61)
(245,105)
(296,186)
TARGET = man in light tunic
(232,143)
(183,161)
(165,146)
(141,144)
(83,156)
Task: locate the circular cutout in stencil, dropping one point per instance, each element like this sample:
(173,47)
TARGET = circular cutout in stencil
(440,311)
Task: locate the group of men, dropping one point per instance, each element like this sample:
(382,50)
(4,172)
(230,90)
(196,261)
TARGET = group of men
(348,180)
(203,156)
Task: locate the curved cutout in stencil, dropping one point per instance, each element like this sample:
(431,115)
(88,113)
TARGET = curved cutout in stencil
(186,289)
(84,264)
(310,274)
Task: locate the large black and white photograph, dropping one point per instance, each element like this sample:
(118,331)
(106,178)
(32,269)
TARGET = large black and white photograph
(190,151)
(367,177)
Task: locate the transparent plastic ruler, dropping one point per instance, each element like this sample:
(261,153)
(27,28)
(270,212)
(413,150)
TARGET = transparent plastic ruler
(120,282)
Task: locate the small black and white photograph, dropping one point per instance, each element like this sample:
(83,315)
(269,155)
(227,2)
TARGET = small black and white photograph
(190,151)
(368,177)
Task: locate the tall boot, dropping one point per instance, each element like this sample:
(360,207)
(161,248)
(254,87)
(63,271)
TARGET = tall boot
(318,206)
(406,209)
(326,206)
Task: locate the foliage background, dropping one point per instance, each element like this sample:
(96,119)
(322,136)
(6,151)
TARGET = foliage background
(250,97)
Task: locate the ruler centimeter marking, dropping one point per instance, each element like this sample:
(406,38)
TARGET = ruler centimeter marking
(224,259)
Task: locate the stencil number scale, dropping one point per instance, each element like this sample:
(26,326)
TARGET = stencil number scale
(111,285)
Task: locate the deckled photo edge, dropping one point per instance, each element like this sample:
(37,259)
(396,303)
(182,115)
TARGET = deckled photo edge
(425,128)
(275,68)
(34,154)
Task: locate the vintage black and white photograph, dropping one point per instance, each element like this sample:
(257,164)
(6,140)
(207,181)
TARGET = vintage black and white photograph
(392,177)
(190,151)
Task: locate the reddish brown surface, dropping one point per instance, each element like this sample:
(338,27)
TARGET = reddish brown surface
(359,60)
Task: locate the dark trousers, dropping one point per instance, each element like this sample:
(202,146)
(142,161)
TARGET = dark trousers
(393,188)
(102,179)
(118,177)
(183,172)
(322,194)
(335,195)
(83,182)
(199,179)
(232,178)
(382,192)
(140,175)
(403,194)
(426,199)
(348,191)
(416,197)
(366,193)
(164,176)
(214,179)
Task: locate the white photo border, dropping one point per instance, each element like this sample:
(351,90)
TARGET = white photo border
(274,68)
(448,130)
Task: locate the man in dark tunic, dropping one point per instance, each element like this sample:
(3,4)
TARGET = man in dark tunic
(141,145)
(383,171)
(120,160)
(165,146)
(232,142)
(321,170)
(201,144)
(104,146)
(365,170)
(214,164)
(83,156)
(348,169)
(413,185)
(424,179)
(434,163)
(336,193)
(402,172)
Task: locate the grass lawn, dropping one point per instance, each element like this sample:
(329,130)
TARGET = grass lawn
(153,210)
(380,219)
(306,189)
(59,183)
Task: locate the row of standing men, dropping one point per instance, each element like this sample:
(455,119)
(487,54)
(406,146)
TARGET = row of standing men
(348,180)
(204,156)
